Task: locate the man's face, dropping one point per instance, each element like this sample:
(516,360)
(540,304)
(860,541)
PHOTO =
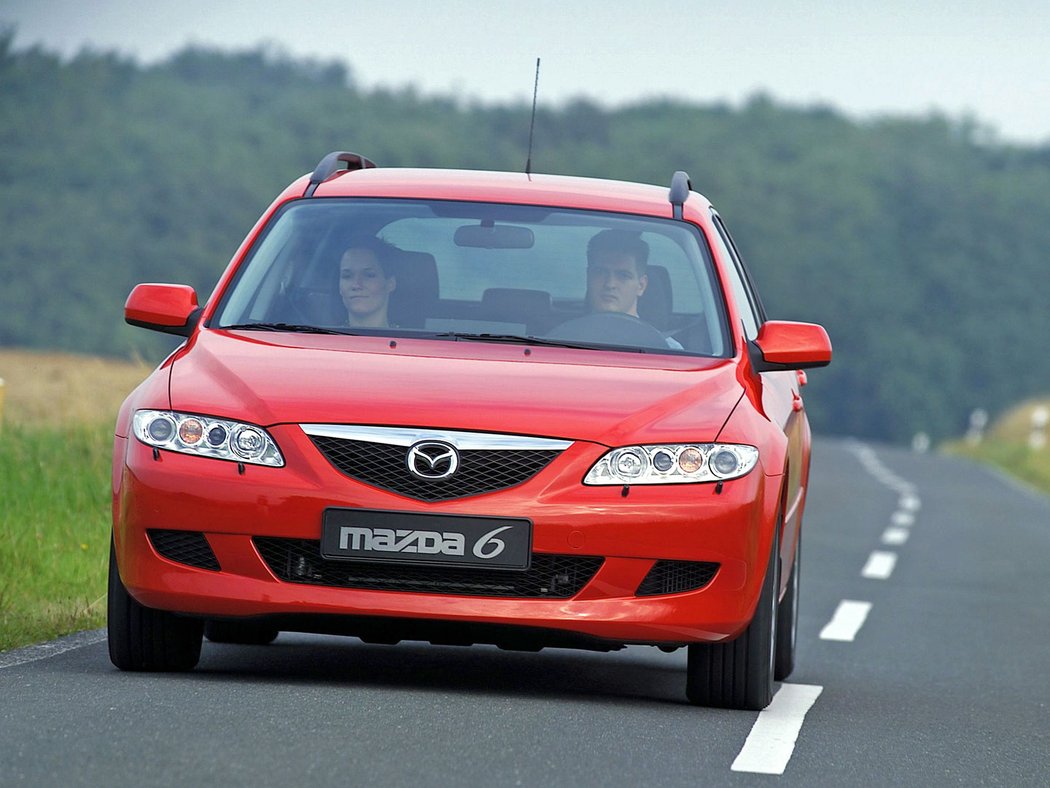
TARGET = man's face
(613,283)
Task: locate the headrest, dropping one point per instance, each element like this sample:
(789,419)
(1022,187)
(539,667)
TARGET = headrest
(655,303)
(416,294)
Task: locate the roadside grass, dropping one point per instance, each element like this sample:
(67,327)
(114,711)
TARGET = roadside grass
(1006,446)
(56,440)
(54,531)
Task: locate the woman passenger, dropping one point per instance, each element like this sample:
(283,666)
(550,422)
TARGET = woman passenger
(365,282)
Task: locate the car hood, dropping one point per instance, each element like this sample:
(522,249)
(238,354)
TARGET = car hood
(611,398)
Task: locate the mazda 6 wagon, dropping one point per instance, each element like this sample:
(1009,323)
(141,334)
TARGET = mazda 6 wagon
(470,407)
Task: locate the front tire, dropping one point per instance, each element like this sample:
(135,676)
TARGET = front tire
(141,638)
(739,674)
(787,621)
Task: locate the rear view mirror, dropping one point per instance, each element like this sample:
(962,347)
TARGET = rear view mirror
(489,235)
(169,308)
(784,345)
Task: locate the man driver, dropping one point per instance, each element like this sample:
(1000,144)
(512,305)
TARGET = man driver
(617,261)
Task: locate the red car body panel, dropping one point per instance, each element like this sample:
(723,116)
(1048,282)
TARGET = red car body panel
(306,379)
(596,399)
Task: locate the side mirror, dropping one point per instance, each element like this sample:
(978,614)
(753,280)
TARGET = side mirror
(169,308)
(782,345)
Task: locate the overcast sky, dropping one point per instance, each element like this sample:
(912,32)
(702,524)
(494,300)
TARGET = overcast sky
(990,60)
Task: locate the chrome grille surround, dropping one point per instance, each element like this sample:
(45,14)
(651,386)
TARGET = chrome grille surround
(380,456)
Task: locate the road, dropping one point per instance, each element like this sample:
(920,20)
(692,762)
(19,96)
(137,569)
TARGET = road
(934,672)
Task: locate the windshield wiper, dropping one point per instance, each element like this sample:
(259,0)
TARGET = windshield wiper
(293,327)
(517,339)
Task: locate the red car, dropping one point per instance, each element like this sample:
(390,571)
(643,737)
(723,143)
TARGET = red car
(470,407)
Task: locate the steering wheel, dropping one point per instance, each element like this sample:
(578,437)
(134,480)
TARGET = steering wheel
(610,328)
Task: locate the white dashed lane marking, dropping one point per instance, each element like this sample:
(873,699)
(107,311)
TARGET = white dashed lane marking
(895,536)
(772,739)
(910,502)
(880,565)
(903,518)
(846,623)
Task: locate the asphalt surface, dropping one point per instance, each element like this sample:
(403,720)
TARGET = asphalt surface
(945,681)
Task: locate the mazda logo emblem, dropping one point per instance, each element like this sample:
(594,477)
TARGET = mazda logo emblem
(433,460)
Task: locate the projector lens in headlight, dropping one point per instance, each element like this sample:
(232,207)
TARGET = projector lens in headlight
(217,435)
(663,461)
(160,428)
(724,463)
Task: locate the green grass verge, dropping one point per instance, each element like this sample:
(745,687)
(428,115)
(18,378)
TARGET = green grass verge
(54,531)
(1006,446)
(1015,458)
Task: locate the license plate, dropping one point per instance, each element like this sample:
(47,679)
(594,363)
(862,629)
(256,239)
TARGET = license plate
(412,538)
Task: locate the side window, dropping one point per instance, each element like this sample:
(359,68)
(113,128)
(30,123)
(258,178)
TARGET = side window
(744,297)
(749,283)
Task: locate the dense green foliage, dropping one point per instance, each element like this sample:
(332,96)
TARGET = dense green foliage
(54,531)
(919,243)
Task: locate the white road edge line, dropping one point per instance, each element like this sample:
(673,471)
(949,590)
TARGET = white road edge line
(884,476)
(771,742)
(895,536)
(21,656)
(880,565)
(846,623)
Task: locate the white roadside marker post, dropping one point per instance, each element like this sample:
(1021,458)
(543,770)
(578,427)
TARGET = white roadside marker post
(1037,437)
(978,421)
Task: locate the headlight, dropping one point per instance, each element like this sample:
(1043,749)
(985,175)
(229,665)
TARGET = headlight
(207,437)
(673,464)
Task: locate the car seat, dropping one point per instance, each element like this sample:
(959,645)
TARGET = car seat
(654,305)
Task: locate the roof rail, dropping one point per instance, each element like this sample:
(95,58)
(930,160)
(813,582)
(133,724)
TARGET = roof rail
(680,188)
(330,165)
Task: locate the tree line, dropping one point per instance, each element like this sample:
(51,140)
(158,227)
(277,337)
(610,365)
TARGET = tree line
(919,242)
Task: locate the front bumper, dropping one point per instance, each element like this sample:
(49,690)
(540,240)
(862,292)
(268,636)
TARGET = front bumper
(732,527)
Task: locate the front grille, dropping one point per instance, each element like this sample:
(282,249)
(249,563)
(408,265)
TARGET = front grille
(676,577)
(185,547)
(480,471)
(550,576)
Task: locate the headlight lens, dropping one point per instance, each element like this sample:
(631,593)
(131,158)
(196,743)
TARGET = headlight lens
(219,438)
(673,464)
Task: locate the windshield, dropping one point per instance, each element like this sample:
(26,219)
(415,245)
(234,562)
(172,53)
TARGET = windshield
(481,271)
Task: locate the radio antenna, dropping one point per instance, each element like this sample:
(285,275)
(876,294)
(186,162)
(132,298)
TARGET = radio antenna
(532,122)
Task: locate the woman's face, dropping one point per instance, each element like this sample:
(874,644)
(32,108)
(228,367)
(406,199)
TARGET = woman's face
(364,288)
